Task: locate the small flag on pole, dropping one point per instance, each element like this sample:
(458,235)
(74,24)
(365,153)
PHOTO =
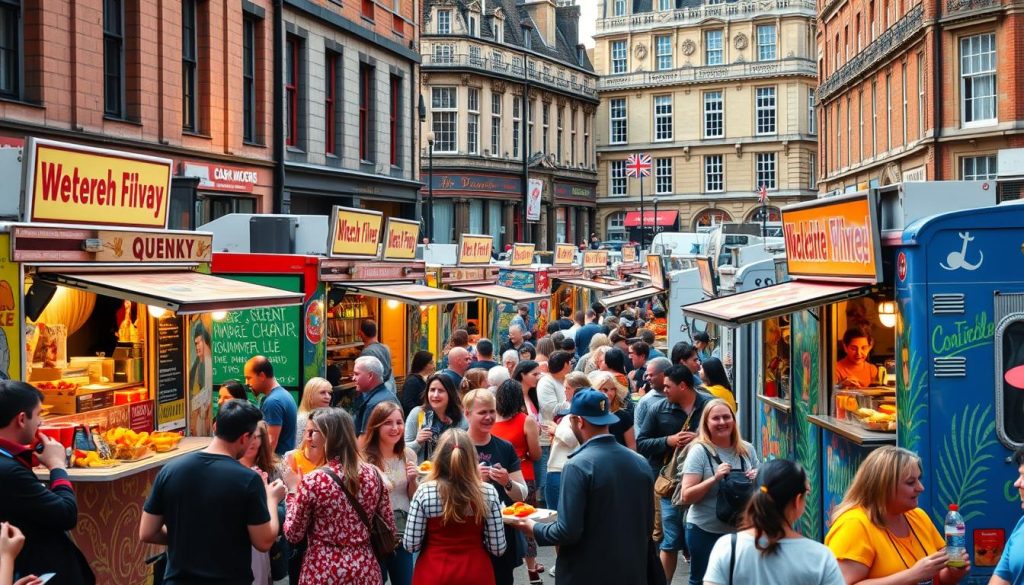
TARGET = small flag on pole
(638,165)
(762,194)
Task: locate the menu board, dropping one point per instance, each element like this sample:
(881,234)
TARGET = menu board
(272,332)
(170,374)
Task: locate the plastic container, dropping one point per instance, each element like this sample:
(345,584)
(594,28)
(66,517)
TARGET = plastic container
(956,537)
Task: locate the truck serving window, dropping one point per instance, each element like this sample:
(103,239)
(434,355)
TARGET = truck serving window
(1010,381)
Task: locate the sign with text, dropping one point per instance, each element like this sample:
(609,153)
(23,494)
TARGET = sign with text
(706,271)
(354,233)
(595,259)
(534,194)
(154,247)
(656,270)
(400,239)
(68,183)
(489,184)
(214,177)
(170,373)
(835,238)
(629,253)
(475,249)
(522,254)
(575,191)
(564,254)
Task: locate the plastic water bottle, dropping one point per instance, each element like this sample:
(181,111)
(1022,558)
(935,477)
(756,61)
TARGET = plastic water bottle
(956,537)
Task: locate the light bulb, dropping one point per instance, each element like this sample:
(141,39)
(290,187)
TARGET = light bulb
(157,312)
(219,315)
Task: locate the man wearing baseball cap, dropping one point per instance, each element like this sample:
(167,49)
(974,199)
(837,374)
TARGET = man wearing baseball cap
(605,513)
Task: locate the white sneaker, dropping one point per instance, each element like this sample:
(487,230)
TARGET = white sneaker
(551,571)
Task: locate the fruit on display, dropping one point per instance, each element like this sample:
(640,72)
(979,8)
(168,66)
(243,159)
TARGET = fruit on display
(90,459)
(519,510)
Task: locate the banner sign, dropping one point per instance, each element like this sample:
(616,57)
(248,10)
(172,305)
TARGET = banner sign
(475,249)
(533,198)
(522,254)
(629,253)
(564,254)
(835,238)
(354,233)
(154,247)
(595,259)
(68,183)
(214,177)
(400,239)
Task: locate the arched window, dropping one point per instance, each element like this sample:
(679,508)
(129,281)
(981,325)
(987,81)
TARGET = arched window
(774,214)
(615,226)
(710,217)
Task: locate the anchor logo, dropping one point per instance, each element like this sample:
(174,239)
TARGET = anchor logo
(957,260)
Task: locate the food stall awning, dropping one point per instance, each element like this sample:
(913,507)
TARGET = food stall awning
(662,218)
(501,293)
(772,301)
(645,276)
(630,296)
(413,294)
(596,285)
(184,292)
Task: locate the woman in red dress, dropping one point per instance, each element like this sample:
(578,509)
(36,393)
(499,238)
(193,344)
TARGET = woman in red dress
(339,550)
(454,519)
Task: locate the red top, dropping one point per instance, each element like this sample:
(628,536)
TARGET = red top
(512,431)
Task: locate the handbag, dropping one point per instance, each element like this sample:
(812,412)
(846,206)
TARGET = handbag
(733,491)
(667,481)
(382,539)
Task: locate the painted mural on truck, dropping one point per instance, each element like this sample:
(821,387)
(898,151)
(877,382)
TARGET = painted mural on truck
(805,375)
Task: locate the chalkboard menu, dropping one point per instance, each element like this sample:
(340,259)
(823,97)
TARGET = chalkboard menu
(170,374)
(273,332)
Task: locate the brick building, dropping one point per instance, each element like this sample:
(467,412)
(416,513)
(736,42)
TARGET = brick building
(920,91)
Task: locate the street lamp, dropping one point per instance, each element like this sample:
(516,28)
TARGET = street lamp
(654,229)
(430,186)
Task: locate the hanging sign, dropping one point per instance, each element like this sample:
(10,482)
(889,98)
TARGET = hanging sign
(522,254)
(533,197)
(656,270)
(629,253)
(400,239)
(475,249)
(154,247)
(835,238)
(354,233)
(595,259)
(564,254)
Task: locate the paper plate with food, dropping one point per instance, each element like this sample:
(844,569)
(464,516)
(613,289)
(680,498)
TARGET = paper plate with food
(521,511)
(425,467)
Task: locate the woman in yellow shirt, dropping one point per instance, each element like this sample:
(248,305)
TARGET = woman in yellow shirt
(712,373)
(880,535)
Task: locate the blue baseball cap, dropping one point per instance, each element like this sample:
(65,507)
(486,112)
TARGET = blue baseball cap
(592,405)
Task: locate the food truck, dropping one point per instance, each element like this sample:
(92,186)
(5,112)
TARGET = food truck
(913,268)
(109,314)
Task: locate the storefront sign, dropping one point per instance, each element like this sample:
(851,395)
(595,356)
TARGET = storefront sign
(170,373)
(10,324)
(629,253)
(272,332)
(456,275)
(656,270)
(595,259)
(522,254)
(478,184)
(355,233)
(474,249)
(577,191)
(834,238)
(153,247)
(67,183)
(533,198)
(222,178)
(400,239)
(706,272)
(564,254)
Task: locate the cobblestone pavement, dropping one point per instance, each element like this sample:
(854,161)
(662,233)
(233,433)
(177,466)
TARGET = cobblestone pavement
(546,556)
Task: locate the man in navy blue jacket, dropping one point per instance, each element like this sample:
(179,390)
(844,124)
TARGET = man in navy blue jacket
(43,514)
(607,497)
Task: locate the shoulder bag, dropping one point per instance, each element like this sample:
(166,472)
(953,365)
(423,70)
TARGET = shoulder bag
(733,491)
(382,538)
(667,481)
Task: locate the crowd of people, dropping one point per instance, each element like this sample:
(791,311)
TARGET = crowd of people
(638,452)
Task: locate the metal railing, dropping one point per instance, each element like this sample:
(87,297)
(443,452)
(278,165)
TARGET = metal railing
(689,75)
(503,67)
(695,14)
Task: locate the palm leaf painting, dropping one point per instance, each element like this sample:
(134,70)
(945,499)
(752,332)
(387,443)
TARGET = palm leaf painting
(805,392)
(912,408)
(962,463)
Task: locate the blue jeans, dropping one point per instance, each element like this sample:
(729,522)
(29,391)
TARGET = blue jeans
(398,569)
(540,470)
(553,489)
(700,542)
(673,536)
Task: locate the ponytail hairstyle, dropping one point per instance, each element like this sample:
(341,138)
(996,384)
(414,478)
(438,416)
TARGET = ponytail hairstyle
(780,481)
(458,479)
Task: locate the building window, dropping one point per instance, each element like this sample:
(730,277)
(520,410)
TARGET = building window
(368,9)
(616,226)
(713,51)
(545,144)
(618,50)
(444,22)
(978,78)
(367,94)
(812,177)
(617,114)
(473,121)
(496,124)
(113,58)
(249,121)
(714,122)
(558,134)
(662,176)
(619,8)
(765,162)
(664,4)
(812,115)
(586,140)
(472,25)
(920,94)
(874,119)
(903,84)
(517,116)
(11,50)
(499,30)
(189,66)
(572,137)
(839,136)
(395,110)
(849,130)
(978,168)
(714,173)
(331,61)
(443,54)
(444,106)
(766,42)
(663,51)
(499,61)
(293,52)
(474,56)
(531,135)
(662,117)
(888,111)
(765,108)
(860,123)
(618,178)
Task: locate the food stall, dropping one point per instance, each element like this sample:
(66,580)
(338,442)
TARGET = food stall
(576,285)
(630,264)
(108,314)
(657,288)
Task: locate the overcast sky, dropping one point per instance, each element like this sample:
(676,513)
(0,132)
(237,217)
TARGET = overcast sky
(588,8)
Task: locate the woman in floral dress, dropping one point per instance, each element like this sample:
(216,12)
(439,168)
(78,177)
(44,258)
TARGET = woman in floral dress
(339,551)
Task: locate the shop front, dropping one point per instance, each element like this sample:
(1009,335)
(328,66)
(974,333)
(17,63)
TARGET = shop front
(575,205)
(476,203)
(650,223)
(219,189)
(315,190)
(576,286)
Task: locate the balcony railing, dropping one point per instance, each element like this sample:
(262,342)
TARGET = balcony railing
(696,14)
(515,72)
(890,40)
(690,75)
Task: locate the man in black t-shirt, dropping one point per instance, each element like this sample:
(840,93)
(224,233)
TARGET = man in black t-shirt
(210,510)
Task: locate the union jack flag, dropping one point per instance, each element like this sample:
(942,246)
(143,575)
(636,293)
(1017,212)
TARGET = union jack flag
(638,165)
(762,194)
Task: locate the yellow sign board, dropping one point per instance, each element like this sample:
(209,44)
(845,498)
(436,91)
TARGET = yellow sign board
(10,298)
(522,254)
(629,253)
(595,259)
(400,239)
(656,270)
(68,183)
(564,254)
(154,247)
(475,249)
(835,238)
(355,233)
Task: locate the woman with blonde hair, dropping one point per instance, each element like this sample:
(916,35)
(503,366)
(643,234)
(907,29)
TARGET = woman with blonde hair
(879,531)
(454,519)
(322,508)
(586,364)
(474,378)
(717,451)
(607,384)
(316,394)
